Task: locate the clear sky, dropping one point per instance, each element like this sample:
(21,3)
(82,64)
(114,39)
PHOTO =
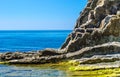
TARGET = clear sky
(39,14)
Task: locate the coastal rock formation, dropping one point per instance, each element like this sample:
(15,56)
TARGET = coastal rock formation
(85,54)
(96,33)
(99,23)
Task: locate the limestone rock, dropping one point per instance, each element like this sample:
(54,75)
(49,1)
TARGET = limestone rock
(102,49)
(99,23)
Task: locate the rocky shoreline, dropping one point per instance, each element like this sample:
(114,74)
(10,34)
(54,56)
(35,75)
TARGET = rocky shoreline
(88,55)
(95,39)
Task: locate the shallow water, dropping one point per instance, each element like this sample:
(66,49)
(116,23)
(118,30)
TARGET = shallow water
(30,71)
(51,70)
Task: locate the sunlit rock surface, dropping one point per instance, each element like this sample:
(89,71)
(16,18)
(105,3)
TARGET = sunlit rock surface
(98,23)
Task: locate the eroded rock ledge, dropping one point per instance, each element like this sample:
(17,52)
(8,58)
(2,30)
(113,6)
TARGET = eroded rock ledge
(84,55)
(97,32)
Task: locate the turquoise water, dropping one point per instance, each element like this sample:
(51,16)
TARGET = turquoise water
(30,41)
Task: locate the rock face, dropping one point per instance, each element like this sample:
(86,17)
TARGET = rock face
(98,23)
(97,32)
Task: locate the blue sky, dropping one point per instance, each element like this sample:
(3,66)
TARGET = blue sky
(39,14)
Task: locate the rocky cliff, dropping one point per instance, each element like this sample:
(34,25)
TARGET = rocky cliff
(98,23)
(97,32)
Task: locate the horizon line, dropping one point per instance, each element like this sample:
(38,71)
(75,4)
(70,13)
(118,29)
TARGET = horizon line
(36,30)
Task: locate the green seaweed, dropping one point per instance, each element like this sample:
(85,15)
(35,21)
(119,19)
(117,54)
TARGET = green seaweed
(4,62)
(74,69)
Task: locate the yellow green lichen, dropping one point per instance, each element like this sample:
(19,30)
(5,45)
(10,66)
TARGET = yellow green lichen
(93,71)
(4,62)
(73,62)
(97,73)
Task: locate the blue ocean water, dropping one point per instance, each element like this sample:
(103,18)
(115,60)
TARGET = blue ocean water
(31,40)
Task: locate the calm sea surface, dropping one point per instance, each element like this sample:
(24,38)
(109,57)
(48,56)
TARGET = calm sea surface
(30,41)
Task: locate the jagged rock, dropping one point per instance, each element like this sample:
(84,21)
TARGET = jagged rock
(11,56)
(104,49)
(89,30)
(101,25)
(100,58)
(87,52)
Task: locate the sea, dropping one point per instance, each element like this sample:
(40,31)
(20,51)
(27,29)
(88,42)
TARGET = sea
(30,40)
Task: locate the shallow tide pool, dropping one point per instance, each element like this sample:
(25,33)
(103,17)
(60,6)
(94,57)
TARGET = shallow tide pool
(30,71)
(53,70)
